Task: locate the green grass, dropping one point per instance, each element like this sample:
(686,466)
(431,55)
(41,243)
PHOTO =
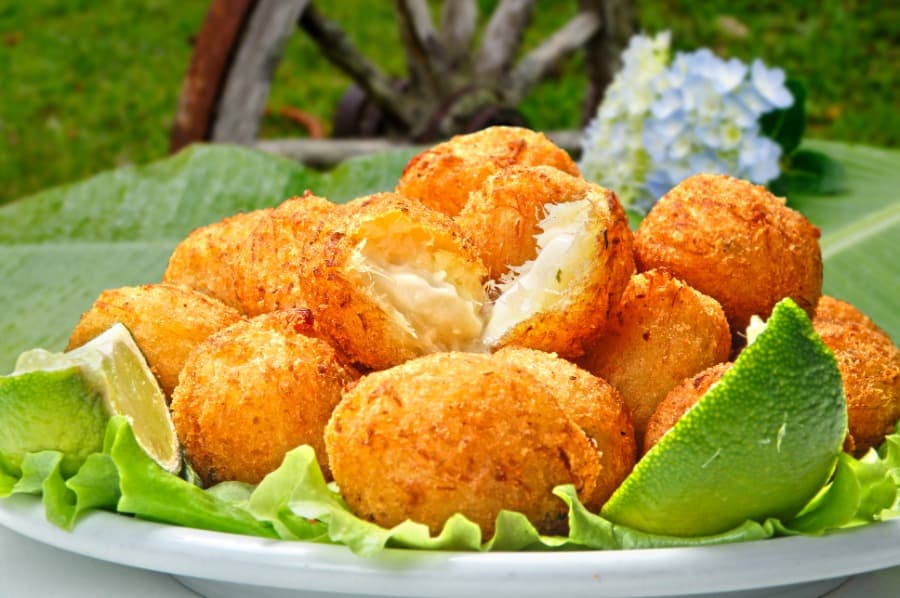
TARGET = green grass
(91,85)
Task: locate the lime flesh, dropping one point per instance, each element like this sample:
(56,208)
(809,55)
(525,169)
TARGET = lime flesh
(759,444)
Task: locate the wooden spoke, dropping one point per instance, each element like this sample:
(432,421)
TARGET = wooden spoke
(537,63)
(244,96)
(602,51)
(459,20)
(424,51)
(336,45)
(502,37)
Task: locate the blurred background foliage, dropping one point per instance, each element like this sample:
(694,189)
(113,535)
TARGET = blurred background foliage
(88,85)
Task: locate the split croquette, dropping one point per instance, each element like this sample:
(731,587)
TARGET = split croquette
(391,280)
(442,176)
(736,242)
(457,433)
(251,392)
(167,321)
(559,300)
(502,215)
(661,332)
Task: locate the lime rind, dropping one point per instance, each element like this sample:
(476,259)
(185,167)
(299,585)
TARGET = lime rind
(114,366)
(50,410)
(759,444)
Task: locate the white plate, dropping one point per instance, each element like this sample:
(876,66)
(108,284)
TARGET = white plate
(224,565)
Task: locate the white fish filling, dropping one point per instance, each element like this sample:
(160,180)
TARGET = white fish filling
(564,246)
(423,303)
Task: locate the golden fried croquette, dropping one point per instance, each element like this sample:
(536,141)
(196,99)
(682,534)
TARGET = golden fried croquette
(679,400)
(253,391)
(594,405)
(661,332)
(205,260)
(735,242)
(167,321)
(869,363)
(836,311)
(502,215)
(457,433)
(442,176)
(267,275)
(392,279)
(560,299)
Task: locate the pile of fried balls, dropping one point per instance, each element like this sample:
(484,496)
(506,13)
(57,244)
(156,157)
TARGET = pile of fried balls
(488,330)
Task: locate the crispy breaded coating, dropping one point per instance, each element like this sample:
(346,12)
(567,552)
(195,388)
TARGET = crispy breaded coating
(737,243)
(253,391)
(502,215)
(679,400)
(205,260)
(561,299)
(457,433)
(869,363)
(391,280)
(661,332)
(442,176)
(594,405)
(836,311)
(267,276)
(167,321)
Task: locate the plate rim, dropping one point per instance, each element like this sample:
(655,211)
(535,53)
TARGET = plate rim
(299,565)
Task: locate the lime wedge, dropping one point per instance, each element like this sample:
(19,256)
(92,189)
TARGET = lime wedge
(114,367)
(51,410)
(759,444)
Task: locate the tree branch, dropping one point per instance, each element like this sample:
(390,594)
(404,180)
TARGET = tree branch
(502,37)
(337,47)
(537,63)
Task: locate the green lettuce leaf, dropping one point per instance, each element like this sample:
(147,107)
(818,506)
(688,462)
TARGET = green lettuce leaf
(295,503)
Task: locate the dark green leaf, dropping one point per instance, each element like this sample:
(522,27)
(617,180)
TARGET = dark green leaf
(787,125)
(807,171)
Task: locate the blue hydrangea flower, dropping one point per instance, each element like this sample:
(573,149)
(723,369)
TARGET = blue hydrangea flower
(664,118)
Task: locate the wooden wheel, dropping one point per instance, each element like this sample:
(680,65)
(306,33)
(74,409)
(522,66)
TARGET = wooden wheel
(450,86)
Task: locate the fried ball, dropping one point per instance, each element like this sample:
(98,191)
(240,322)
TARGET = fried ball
(559,300)
(251,392)
(457,433)
(679,400)
(869,363)
(735,242)
(205,260)
(392,280)
(661,332)
(442,176)
(594,405)
(267,276)
(502,216)
(167,321)
(836,311)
